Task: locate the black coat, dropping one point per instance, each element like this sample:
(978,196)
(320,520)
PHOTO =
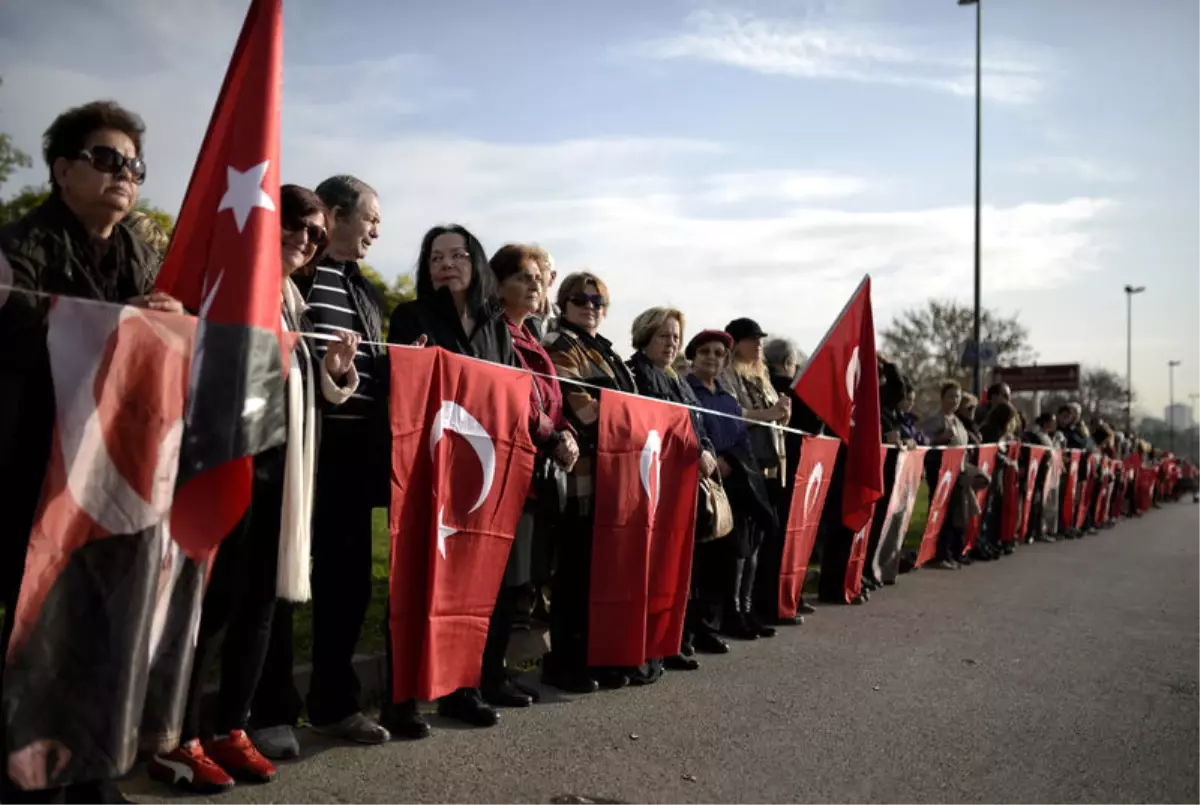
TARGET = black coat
(654,382)
(437,319)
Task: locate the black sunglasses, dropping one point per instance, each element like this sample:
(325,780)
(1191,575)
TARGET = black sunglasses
(585,299)
(316,235)
(109,160)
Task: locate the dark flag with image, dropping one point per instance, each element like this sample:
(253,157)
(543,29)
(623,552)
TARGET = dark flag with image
(1068,486)
(105,625)
(985,459)
(910,464)
(1011,494)
(647,481)
(223,263)
(940,488)
(1036,460)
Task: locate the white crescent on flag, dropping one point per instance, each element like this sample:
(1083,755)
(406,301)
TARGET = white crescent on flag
(651,464)
(938,499)
(453,417)
(812,487)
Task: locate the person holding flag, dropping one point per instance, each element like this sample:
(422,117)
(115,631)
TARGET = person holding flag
(74,244)
(267,555)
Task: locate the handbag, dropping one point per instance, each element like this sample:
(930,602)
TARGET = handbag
(714,516)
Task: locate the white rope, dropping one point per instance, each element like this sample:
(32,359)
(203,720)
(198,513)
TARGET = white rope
(559,378)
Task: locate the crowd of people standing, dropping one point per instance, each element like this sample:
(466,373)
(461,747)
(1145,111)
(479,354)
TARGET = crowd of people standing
(322,485)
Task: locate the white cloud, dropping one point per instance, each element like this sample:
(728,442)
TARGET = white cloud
(659,217)
(803,49)
(1074,167)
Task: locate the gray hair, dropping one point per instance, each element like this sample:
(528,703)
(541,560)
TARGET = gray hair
(343,191)
(777,352)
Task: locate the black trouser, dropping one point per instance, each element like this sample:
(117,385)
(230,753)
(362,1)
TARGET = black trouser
(835,557)
(341,576)
(714,579)
(769,560)
(570,595)
(239,601)
(499,631)
(276,701)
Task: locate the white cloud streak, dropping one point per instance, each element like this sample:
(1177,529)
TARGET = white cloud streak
(658,217)
(820,51)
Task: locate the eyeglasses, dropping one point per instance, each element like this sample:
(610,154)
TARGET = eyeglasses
(588,299)
(109,160)
(316,235)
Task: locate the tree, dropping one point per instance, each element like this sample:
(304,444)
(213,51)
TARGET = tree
(927,343)
(400,291)
(11,157)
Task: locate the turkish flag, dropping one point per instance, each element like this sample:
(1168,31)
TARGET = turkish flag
(840,383)
(223,263)
(647,479)
(1089,486)
(1012,493)
(1037,456)
(462,462)
(1070,484)
(105,624)
(859,546)
(910,464)
(939,500)
(818,454)
(1144,488)
(985,459)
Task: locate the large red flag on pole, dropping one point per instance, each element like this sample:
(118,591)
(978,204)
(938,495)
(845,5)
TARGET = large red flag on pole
(840,384)
(223,263)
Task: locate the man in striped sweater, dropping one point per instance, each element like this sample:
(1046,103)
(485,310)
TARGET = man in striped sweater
(352,479)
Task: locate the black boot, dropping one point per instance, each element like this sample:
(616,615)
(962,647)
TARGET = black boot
(467,706)
(504,693)
(405,721)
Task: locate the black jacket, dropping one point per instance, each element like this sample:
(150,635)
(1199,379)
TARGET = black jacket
(437,319)
(654,382)
(49,251)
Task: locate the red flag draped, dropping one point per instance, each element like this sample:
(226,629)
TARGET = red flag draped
(939,499)
(642,538)
(986,461)
(813,473)
(1012,484)
(840,384)
(1069,485)
(462,462)
(1089,487)
(223,263)
(1037,456)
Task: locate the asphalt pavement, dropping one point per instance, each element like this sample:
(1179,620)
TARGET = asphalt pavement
(1064,673)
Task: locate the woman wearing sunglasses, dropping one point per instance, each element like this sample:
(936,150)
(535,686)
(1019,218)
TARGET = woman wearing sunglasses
(75,245)
(267,554)
(579,352)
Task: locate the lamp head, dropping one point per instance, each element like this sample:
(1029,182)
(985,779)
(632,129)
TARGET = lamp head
(1130,289)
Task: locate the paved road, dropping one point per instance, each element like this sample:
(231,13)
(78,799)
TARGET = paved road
(1066,673)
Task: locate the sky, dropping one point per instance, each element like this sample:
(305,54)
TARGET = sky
(729,158)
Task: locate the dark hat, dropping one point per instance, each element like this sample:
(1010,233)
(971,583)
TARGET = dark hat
(702,338)
(740,329)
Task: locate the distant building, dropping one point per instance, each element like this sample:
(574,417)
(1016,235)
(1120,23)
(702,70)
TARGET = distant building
(1178,416)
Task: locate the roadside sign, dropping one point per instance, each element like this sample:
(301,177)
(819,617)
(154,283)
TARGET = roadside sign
(1050,377)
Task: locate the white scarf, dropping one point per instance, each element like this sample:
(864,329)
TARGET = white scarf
(299,473)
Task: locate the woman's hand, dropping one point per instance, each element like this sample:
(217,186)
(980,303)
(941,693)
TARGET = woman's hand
(567,452)
(156,300)
(891,437)
(339,357)
(420,342)
(783,409)
(708,464)
(724,467)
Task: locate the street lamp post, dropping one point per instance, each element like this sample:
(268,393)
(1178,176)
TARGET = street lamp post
(1129,292)
(1171,417)
(977,369)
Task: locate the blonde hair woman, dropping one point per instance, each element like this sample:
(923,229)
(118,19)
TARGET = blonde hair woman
(748,379)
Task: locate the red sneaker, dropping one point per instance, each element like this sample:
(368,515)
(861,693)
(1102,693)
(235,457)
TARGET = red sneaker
(237,755)
(189,768)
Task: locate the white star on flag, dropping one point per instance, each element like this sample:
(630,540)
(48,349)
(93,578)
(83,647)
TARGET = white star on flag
(245,192)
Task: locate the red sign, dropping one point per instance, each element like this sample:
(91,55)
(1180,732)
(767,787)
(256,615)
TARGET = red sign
(1052,377)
